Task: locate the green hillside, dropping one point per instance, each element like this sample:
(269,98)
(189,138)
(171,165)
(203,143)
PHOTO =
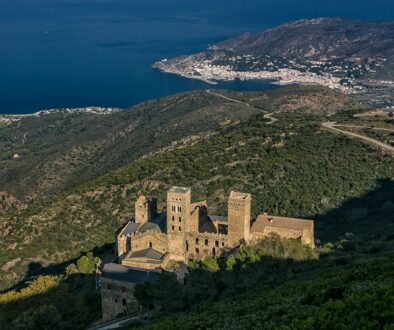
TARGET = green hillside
(355,292)
(290,164)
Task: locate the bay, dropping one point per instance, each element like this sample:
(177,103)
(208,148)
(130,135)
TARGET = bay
(77,53)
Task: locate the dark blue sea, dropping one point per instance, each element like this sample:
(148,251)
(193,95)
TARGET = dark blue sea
(75,53)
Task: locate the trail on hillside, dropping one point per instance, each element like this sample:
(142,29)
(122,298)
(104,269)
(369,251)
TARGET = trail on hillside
(333,127)
(267,114)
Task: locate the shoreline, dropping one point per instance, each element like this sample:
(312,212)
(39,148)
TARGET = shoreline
(213,74)
(92,110)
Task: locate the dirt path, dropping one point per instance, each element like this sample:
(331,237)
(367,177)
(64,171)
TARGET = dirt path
(366,127)
(332,126)
(267,114)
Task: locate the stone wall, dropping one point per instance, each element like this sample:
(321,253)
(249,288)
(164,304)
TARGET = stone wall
(117,298)
(202,245)
(305,235)
(153,239)
(142,263)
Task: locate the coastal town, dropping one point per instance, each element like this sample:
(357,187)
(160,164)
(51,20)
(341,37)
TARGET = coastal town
(213,66)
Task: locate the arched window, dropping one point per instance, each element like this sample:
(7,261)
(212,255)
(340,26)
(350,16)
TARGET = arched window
(197,240)
(214,252)
(197,251)
(180,219)
(206,241)
(173,218)
(150,244)
(179,228)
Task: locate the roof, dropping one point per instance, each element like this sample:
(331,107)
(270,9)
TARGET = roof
(158,223)
(179,190)
(264,220)
(131,227)
(218,218)
(161,220)
(149,226)
(127,274)
(148,253)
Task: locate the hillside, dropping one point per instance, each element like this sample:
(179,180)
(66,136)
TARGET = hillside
(318,39)
(62,149)
(324,175)
(353,57)
(345,289)
(272,145)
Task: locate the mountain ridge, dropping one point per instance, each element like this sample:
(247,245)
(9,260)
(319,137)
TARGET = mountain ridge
(347,33)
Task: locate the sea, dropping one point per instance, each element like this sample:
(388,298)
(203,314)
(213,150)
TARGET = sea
(79,53)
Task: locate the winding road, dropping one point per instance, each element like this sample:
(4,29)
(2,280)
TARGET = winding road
(333,127)
(267,114)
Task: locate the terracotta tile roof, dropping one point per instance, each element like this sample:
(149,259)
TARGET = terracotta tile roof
(264,220)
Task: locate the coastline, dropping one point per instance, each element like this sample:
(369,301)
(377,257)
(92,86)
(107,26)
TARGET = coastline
(10,118)
(212,74)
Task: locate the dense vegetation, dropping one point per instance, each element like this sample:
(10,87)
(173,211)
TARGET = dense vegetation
(345,289)
(292,166)
(67,301)
(63,149)
(270,263)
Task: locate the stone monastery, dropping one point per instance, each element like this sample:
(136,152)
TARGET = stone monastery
(184,231)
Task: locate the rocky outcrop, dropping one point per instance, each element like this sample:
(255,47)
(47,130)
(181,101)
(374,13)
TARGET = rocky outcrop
(6,200)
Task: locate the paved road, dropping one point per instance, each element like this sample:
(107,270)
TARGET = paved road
(332,126)
(267,114)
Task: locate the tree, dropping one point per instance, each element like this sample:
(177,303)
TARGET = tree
(230,263)
(87,264)
(141,293)
(45,317)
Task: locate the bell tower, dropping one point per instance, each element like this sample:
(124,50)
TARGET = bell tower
(239,210)
(145,209)
(178,215)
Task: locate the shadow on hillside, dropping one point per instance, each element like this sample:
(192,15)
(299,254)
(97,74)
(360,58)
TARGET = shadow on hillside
(368,217)
(37,269)
(75,303)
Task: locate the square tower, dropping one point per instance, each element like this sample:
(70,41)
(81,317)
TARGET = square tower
(178,218)
(145,209)
(239,210)
(178,208)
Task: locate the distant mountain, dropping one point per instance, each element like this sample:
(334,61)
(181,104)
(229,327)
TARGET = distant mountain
(353,57)
(317,39)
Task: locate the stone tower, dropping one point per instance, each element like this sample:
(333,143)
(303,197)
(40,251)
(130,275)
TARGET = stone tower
(178,216)
(145,209)
(239,209)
